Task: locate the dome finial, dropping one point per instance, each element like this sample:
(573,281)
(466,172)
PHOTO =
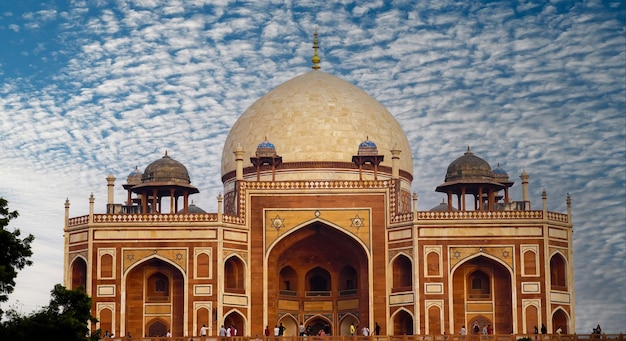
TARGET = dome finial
(316,59)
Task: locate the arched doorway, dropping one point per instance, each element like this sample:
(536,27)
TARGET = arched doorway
(157,327)
(346,321)
(154,288)
(79,273)
(402,323)
(560,319)
(235,320)
(483,293)
(290,324)
(318,323)
(320,271)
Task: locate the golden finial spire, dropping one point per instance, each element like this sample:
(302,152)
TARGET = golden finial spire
(316,59)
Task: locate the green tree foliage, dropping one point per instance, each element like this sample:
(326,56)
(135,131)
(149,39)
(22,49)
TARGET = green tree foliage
(65,319)
(14,252)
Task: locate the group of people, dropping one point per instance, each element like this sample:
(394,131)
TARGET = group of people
(279,330)
(224,331)
(365,331)
(486,330)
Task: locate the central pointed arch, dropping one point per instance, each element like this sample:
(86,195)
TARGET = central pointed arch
(320,269)
(486,294)
(154,284)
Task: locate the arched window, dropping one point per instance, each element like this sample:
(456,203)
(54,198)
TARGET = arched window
(432,261)
(558,275)
(234,275)
(348,282)
(106,266)
(318,282)
(479,286)
(202,265)
(157,289)
(402,274)
(530,263)
(288,281)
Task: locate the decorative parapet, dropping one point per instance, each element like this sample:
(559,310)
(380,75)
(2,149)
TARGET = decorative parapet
(82,220)
(402,217)
(144,218)
(307,184)
(486,215)
(558,217)
(231,219)
(159,218)
(472,215)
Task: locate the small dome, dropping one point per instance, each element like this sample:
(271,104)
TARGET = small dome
(443,207)
(193,209)
(166,170)
(265,148)
(499,170)
(134,177)
(469,166)
(367,147)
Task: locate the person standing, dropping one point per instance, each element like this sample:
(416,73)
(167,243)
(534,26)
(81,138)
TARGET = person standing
(475,328)
(352,329)
(203,330)
(267,331)
(544,329)
(377,328)
(463,332)
(281,329)
(366,331)
(222,331)
(301,330)
(276,330)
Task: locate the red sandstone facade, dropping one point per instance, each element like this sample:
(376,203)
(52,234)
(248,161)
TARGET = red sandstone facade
(323,241)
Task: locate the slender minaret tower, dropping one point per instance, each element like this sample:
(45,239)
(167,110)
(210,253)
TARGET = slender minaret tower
(524,178)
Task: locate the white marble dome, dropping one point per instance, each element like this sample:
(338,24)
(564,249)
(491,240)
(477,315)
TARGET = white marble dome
(317,117)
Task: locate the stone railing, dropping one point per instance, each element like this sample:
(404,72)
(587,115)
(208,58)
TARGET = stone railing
(472,215)
(313,184)
(143,218)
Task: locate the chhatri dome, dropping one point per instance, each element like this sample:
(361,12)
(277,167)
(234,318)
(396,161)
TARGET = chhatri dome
(317,117)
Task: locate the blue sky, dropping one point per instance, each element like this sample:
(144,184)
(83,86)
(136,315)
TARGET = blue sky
(89,88)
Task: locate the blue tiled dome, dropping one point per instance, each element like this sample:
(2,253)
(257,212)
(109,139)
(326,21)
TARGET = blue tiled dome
(266,145)
(367,147)
(265,148)
(367,144)
(499,170)
(134,177)
(193,209)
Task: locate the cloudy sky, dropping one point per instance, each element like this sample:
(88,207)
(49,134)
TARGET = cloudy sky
(89,88)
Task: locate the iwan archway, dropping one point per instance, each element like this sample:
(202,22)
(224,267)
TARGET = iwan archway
(319,270)
(154,299)
(483,294)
